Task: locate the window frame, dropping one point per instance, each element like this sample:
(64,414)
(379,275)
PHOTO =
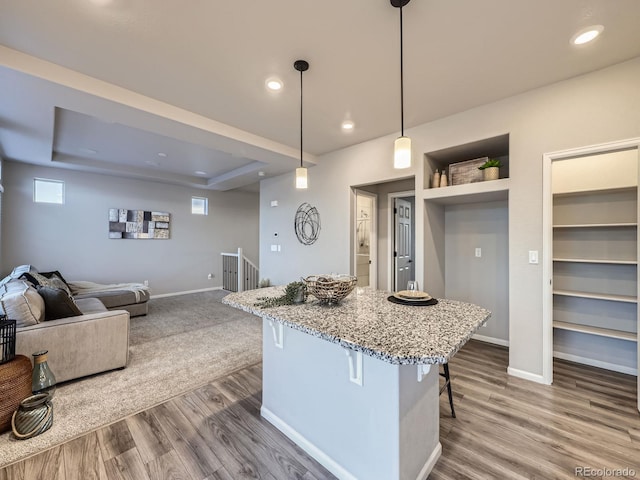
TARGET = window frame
(37,180)
(206,205)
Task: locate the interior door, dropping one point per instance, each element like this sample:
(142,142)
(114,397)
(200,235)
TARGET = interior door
(403,243)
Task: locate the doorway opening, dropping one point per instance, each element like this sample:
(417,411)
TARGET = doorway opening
(365,238)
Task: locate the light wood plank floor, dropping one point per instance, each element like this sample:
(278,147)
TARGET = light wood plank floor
(507,428)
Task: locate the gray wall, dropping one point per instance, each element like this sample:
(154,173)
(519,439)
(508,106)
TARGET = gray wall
(481,280)
(599,107)
(73,237)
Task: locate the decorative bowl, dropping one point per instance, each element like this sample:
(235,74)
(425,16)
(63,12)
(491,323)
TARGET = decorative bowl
(330,288)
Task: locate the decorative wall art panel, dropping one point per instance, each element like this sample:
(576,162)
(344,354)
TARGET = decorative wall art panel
(307,224)
(138,224)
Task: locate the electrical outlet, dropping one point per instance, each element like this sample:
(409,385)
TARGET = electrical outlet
(146,283)
(478,252)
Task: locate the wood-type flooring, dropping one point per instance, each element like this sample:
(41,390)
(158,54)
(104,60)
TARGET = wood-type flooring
(506,428)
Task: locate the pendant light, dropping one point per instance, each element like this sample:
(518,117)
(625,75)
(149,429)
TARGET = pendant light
(402,145)
(301,172)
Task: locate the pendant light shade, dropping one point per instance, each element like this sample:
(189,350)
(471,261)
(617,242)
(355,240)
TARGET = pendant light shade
(301,177)
(402,146)
(301,172)
(402,152)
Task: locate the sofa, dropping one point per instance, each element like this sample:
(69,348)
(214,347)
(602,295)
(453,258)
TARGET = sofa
(82,335)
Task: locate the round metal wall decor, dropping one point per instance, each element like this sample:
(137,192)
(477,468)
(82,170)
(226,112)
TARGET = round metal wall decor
(307,224)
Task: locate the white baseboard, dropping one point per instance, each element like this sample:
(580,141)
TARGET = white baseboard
(323,459)
(532,377)
(596,363)
(431,462)
(175,294)
(493,340)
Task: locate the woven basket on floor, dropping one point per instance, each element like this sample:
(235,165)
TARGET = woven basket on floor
(330,289)
(15,385)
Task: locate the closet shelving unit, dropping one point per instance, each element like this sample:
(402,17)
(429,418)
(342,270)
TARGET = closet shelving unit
(595,259)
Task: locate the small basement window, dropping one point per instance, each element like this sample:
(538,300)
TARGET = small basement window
(48,191)
(199,205)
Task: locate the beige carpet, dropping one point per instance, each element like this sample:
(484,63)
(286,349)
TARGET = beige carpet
(185,341)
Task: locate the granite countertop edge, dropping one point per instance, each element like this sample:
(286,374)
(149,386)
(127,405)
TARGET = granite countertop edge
(386,357)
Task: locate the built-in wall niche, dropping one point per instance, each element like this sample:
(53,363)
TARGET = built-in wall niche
(466,235)
(441,160)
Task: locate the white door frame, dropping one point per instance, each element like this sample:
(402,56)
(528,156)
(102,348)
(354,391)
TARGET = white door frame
(391,232)
(547,242)
(373,248)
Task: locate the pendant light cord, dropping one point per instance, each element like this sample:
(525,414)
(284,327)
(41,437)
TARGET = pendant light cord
(401,79)
(300,118)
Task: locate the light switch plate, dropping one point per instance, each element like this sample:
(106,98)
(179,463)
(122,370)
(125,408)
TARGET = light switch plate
(533,257)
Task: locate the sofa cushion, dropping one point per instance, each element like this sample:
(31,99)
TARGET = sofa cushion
(90,305)
(58,303)
(21,302)
(117,298)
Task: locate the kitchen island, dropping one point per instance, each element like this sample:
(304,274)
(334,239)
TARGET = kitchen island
(353,384)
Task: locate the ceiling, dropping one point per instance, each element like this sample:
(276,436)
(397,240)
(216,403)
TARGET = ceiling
(107,86)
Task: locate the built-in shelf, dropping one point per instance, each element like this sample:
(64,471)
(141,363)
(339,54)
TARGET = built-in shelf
(595,191)
(600,261)
(603,332)
(598,225)
(597,296)
(489,191)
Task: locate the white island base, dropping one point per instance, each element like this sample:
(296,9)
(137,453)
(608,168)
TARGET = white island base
(360,417)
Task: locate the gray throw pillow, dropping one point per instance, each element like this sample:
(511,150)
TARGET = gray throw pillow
(57,303)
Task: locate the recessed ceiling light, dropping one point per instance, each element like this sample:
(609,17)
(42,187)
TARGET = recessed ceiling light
(261,173)
(200,172)
(274,84)
(162,154)
(587,34)
(347,125)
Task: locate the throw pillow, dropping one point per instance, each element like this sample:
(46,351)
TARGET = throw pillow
(57,303)
(39,279)
(21,302)
(55,273)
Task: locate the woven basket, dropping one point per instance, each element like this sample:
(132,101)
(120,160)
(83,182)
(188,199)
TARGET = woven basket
(330,289)
(15,385)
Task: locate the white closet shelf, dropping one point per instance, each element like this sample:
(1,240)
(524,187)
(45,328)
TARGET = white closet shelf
(597,296)
(468,193)
(592,260)
(603,332)
(596,191)
(598,225)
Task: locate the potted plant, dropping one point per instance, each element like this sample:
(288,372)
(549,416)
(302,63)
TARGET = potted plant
(491,169)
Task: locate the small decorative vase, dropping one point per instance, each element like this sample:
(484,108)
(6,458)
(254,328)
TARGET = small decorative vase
(42,380)
(491,173)
(34,416)
(301,295)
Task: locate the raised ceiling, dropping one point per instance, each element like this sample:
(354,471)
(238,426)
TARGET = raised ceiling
(106,86)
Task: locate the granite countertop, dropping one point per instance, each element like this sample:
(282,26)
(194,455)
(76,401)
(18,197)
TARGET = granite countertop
(366,321)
